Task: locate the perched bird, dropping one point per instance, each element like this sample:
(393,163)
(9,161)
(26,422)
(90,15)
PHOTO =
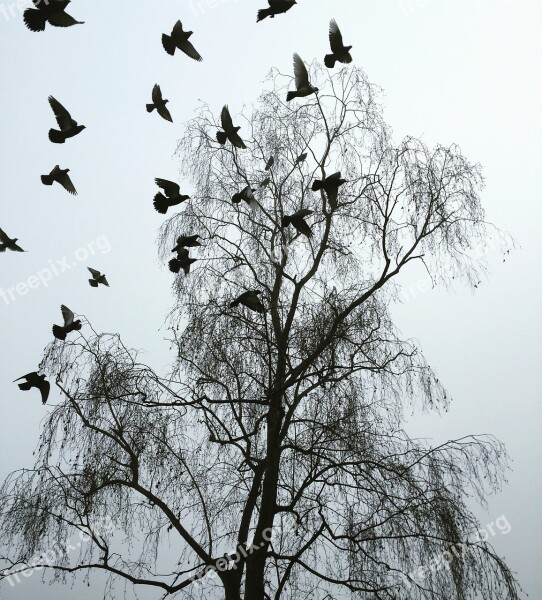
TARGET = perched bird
(339,52)
(179,40)
(250,300)
(301,158)
(70,324)
(60,176)
(298,221)
(97,278)
(159,103)
(172,197)
(270,163)
(183,261)
(68,127)
(48,11)
(330,185)
(230,132)
(276,7)
(186,241)
(247,195)
(6,243)
(302,83)
(265,182)
(33,380)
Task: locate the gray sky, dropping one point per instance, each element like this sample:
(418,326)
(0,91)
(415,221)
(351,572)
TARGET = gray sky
(452,71)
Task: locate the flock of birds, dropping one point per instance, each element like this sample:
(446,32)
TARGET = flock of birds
(53,12)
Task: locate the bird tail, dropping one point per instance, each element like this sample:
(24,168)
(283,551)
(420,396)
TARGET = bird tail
(57,137)
(93,282)
(317,185)
(263,13)
(169,44)
(47,180)
(150,107)
(34,19)
(291,96)
(174,265)
(161,203)
(25,386)
(221,137)
(59,332)
(329,61)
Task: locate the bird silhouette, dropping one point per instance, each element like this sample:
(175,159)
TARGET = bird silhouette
(70,324)
(247,195)
(250,300)
(172,197)
(276,7)
(330,185)
(68,127)
(183,261)
(7,243)
(302,83)
(297,219)
(186,241)
(230,132)
(33,380)
(159,104)
(301,158)
(60,176)
(48,11)
(339,52)
(265,182)
(179,40)
(97,278)
(270,163)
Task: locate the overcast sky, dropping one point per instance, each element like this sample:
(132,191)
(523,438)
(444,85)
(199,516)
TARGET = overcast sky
(453,71)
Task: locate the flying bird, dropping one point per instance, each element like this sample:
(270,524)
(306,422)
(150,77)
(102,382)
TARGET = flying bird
(297,219)
(270,163)
(186,241)
(97,278)
(230,132)
(172,196)
(302,83)
(247,195)
(70,324)
(60,176)
(330,185)
(179,40)
(183,261)
(48,11)
(250,300)
(339,52)
(301,158)
(159,104)
(7,243)
(276,7)
(33,380)
(68,127)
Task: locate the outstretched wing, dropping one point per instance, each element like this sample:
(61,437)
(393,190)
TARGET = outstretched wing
(190,51)
(4,238)
(302,213)
(335,37)
(63,117)
(44,388)
(63,19)
(164,113)
(333,178)
(94,272)
(225,118)
(67,314)
(66,183)
(300,72)
(156,94)
(170,188)
(28,377)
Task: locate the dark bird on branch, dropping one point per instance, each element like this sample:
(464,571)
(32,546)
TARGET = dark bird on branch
(172,196)
(97,278)
(302,83)
(276,7)
(250,300)
(33,380)
(301,158)
(230,132)
(330,185)
(70,324)
(179,40)
(265,182)
(60,176)
(270,163)
(68,127)
(159,103)
(7,243)
(339,52)
(48,11)
(297,219)
(183,261)
(186,241)
(247,195)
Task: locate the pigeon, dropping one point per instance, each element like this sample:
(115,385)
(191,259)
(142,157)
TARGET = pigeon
(183,261)
(298,221)
(246,195)
(276,7)
(179,40)
(265,182)
(33,380)
(230,132)
(302,83)
(6,243)
(186,241)
(68,127)
(330,185)
(301,158)
(171,198)
(339,52)
(60,176)
(159,103)
(250,300)
(60,332)
(97,278)
(270,163)
(48,11)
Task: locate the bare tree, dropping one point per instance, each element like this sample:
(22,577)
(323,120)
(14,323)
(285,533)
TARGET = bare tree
(273,457)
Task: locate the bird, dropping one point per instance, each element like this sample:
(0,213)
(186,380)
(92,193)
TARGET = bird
(33,380)
(250,300)
(301,158)
(60,176)
(68,127)
(178,39)
(247,195)
(183,261)
(339,52)
(276,7)
(265,182)
(159,103)
(48,11)
(7,243)
(270,163)
(302,83)
(297,219)
(330,185)
(172,196)
(70,324)
(186,241)
(97,278)
(230,132)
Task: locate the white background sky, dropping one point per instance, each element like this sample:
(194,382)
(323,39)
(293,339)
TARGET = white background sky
(452,71)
